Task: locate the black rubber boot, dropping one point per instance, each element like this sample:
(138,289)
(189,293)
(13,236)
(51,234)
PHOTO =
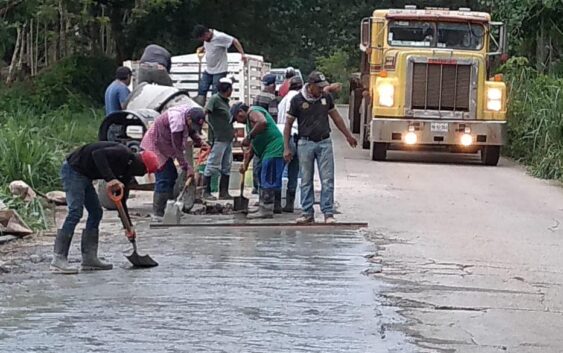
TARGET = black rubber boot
(207,189)
(89,247)
(159,200)
(60,254)
(266,208)
(224,187)
(278,202)
(289,202)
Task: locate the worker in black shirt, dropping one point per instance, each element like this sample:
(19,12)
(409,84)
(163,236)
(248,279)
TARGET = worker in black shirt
(116,164)
(312,108)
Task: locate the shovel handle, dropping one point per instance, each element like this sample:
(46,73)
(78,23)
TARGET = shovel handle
(116,195)
(242,175)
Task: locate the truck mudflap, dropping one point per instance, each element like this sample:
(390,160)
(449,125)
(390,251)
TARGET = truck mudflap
(438,132)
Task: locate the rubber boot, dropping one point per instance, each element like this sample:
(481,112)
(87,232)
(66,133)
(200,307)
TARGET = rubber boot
(224,187)
(289,202)
(60,254)
(266,208)
(278,202)
(207,189)
(159,200)
(89,247)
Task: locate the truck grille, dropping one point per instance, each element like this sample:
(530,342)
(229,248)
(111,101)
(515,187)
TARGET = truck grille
(441,87)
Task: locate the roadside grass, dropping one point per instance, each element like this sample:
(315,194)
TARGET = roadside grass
(535,119)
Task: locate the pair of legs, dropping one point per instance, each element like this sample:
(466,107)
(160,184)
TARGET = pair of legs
(164,187)
(256,173)
(207,80)
(270,188)
(153,73)
(80,194)
(292,176)
(321,153)
(219,162)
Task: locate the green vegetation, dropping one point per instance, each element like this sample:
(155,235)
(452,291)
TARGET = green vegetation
(535,119)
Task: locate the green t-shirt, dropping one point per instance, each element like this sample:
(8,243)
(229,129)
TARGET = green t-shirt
(220,119)
(268,143)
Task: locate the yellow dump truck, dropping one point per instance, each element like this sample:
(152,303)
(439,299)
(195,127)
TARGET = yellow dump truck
(426,82)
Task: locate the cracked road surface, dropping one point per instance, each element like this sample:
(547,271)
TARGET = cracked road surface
(458,258)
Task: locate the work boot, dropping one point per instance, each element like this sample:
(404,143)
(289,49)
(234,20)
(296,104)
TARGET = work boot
(277,202)
(224,187)
(159,200)
(289,202)
(60,254)
(207,189)
(200,100)
(89,247)
(266,208)
(305,219)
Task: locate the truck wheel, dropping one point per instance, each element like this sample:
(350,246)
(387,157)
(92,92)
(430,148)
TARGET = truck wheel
(378,151)
(104,198)
(490,155)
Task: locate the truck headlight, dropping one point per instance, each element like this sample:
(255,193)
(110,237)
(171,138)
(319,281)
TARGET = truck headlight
(386,92)
(494,99)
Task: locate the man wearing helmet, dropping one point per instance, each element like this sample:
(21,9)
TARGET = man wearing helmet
(116,164)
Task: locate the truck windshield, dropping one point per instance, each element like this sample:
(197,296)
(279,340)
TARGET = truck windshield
(450,35)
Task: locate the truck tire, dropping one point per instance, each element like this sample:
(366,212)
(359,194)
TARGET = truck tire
(379,151)
(490,155)
(104,198)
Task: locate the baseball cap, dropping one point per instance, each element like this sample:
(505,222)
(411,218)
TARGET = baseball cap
(150,160)
(197,115)
(269,79)
(236,108)
(227,80)
(123,72)
(317,78)
(295,82)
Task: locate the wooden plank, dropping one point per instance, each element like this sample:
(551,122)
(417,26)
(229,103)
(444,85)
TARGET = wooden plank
(343,225)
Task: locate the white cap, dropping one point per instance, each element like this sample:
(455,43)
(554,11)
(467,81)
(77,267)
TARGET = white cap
(226,80)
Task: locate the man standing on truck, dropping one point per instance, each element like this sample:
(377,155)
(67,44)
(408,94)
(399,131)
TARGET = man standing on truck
(312,108)
(215,46)
(118,91)
(221,136)
(267,143)
(155,65)
(116,164)
(167,139)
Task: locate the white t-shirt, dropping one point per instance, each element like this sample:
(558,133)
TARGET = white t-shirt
(283,108)
(216,52)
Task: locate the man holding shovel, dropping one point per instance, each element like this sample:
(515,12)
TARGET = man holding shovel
(116,164)
(267,143)
(167,138)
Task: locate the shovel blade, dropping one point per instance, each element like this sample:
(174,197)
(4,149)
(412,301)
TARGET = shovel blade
(141,261)
(240,203)
(172,213)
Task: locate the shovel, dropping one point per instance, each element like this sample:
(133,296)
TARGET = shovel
(241,202)
(174,209)
(136,259)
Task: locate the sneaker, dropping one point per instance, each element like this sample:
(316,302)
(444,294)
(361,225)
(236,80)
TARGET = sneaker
(305,219)
(329,219)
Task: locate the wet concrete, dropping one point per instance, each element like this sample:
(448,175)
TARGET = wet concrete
(267,291)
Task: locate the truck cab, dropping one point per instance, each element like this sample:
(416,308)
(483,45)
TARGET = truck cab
(426,82)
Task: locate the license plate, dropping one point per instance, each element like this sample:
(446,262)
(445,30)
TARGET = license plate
(439,127)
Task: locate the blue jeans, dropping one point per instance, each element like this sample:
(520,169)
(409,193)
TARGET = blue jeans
(166,178)
(271,174)
(220,159)
(321,152)
(80,193)
(207,80)
(292,167)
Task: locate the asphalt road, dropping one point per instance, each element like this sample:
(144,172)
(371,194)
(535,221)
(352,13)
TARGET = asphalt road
(458,258)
